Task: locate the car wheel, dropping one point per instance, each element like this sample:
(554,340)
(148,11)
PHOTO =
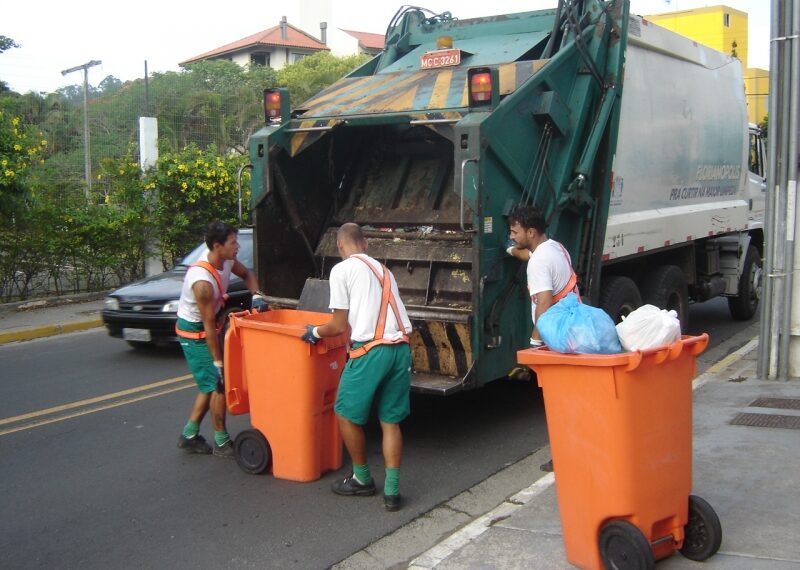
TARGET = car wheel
(666,289)
(744,306)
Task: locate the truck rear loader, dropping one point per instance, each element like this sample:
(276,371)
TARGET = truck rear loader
(633,140)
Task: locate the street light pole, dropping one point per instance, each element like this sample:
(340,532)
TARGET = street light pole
(87,156)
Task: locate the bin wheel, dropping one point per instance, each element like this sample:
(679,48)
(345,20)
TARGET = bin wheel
(703,532)
(624,547)
(252,452)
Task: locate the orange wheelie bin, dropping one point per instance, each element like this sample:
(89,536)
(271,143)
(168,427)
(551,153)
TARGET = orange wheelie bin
(289,387)
(620,429)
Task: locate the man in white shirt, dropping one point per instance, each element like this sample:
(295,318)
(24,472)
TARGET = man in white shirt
(364,295)
(549,271)
(202,296)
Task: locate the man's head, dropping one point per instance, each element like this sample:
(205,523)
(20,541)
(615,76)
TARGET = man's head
(527,226)
(223,239)
(350,239)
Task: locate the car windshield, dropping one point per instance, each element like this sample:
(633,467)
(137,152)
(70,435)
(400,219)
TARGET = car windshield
(245,252)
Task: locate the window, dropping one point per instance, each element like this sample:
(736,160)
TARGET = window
(297,57)
(726,20)
(259,59)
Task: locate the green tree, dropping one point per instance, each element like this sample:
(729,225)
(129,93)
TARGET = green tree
(7,43)
(314,73)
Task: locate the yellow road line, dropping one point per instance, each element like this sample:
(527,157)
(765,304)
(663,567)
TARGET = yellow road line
(92,410)
(90,401)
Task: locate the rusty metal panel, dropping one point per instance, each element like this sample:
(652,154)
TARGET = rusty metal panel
(766,420)
(779,403)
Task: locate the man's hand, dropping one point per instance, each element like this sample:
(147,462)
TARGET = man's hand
(311,336)
(220,377)
(259,303)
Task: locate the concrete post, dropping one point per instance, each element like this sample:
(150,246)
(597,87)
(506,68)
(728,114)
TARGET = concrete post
(148,158)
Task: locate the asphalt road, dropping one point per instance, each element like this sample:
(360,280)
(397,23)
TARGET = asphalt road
(99,483)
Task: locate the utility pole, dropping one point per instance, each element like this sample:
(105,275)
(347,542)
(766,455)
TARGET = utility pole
(87,156)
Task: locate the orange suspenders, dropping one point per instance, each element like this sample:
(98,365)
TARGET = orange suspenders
(572,284)
(215,274)
(387,300)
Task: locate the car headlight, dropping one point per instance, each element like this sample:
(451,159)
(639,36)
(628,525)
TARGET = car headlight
(111,303)
(170,307)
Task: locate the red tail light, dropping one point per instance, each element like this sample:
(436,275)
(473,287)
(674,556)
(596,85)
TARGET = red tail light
(481,87)
(272,105)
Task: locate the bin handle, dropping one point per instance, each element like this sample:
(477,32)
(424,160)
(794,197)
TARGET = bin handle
(634,360)
(238,315)
(697,344)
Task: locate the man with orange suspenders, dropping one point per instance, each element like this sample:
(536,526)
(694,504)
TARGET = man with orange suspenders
(202,296)
(550,273)
(364,295)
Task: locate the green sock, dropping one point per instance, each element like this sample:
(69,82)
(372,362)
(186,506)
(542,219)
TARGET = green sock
(392,484)
(362,474)
(221,437)
(190,429)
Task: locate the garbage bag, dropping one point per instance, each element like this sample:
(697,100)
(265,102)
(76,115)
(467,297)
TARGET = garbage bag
(649,327)
(572,327)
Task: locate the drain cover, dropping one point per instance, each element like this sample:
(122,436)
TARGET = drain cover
(767,420)
(780,403)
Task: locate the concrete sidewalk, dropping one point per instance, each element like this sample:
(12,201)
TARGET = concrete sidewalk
(40,318)
(747,473)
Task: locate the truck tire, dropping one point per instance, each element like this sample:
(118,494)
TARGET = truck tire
(619,296)
(744,306)
(666,289)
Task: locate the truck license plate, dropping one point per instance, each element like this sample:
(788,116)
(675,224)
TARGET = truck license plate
(440,58)
(141,335)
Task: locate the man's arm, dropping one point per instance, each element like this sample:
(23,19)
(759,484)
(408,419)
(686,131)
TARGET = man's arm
(246,275)
(544,300)
(337,325)
(204,295)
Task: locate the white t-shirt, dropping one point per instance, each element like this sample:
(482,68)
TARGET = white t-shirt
(356,288)
(549,269)
(187,306)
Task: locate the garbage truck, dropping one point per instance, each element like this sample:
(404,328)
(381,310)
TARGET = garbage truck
(633,140)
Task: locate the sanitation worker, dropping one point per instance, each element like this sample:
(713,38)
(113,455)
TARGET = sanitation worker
(364,295)
(550,274)
(202,296)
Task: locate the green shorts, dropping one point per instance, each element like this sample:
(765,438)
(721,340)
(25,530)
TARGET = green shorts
(198,357)
(384,375)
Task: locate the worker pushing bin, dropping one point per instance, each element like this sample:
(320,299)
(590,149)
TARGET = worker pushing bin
(289,388)
(620,430)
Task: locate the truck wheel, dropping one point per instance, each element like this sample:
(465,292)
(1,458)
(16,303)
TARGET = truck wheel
(743,307)
(703,532)
(666,289)
(623,546)
(619,296)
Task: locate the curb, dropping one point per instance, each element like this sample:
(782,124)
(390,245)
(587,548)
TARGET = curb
(54,301)
(49,330)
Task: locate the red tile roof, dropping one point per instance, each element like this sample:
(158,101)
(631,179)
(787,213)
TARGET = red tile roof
(270,37)
(367,40)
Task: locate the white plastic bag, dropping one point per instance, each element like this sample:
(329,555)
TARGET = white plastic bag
(648,327)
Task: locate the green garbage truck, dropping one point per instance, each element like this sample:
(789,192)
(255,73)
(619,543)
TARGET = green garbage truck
(633,140)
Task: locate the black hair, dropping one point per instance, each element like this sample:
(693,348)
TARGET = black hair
(528,217)
(218,232)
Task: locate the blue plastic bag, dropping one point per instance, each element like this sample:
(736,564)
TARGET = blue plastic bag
(572,327)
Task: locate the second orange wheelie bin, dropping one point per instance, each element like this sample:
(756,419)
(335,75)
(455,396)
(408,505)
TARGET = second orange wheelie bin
(289,387)
(620,428)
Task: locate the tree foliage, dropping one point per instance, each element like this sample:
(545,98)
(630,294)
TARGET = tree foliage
(206,113)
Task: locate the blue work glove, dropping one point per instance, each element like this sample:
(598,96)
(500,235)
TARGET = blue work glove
(220,377)
(259,303)
(510,246)
(311,335)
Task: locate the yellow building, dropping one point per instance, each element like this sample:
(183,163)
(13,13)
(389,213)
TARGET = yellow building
(723,29)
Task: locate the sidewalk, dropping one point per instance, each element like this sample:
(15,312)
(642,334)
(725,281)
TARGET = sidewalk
(748,474)
(47,317)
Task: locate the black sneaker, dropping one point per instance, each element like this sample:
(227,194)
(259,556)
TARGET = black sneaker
(196,444)
(350,486)
(547,467)
(392,502)
(224,450)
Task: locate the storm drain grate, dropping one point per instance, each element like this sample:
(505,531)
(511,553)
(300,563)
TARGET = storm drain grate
(767,420)
(780,403)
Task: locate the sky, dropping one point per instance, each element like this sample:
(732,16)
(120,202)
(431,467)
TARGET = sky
(58,35)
